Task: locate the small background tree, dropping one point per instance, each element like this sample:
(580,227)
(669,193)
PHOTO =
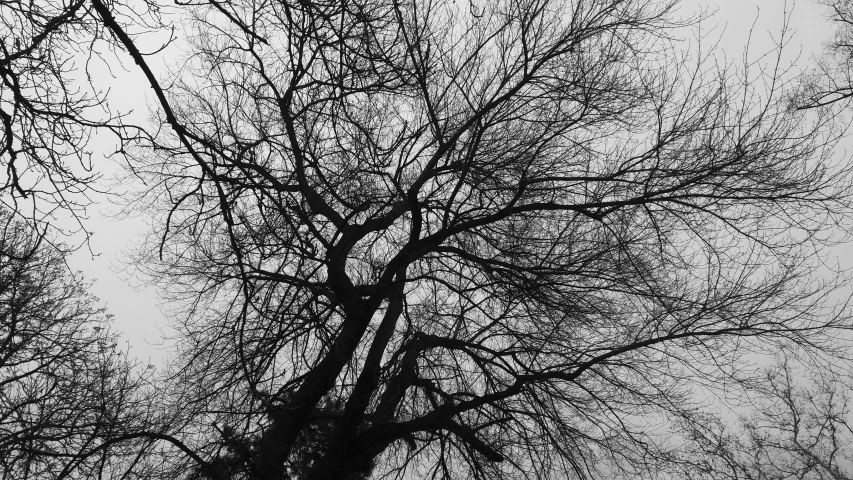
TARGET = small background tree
(66,390)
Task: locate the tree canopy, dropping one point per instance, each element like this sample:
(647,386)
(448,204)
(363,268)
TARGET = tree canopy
(440,239)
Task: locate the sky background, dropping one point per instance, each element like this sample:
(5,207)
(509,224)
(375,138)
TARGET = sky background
(137,311)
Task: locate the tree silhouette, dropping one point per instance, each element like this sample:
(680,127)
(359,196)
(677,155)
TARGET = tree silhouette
(503,237)
(65,389)
(439,239)
(831,82)
(799,428)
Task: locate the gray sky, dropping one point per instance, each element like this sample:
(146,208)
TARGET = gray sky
(137,315)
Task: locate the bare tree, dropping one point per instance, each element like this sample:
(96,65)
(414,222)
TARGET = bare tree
(489,240)
(831,80)
(444,239)
(65,388)
(799,427)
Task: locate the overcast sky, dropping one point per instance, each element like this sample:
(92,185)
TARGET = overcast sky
(137,314)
